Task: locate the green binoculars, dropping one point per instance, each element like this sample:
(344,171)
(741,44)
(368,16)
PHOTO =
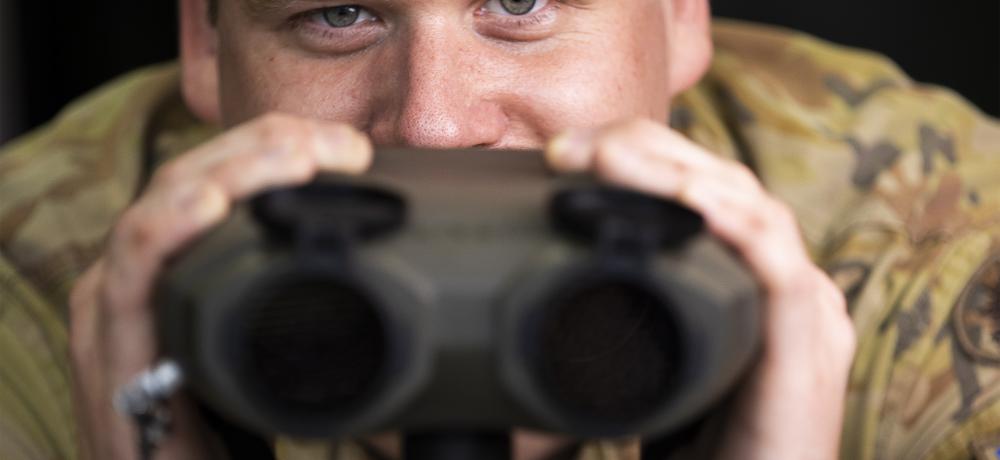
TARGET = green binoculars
(462,288)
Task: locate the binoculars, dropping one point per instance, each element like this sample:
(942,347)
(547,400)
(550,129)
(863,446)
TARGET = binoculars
(463,289)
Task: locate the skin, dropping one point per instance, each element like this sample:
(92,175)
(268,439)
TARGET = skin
(588,81)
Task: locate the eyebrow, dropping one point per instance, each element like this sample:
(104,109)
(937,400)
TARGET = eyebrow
(269,6)
(262,7)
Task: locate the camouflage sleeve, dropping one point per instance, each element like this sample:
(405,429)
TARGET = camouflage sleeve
(897,188)
(916,252)
(919,258)
(60,190)
(35,410)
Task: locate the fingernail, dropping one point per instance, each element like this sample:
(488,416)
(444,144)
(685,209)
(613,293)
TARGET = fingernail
(570,151)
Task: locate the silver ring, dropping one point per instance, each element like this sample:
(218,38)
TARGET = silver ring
(148,390)
(144,400)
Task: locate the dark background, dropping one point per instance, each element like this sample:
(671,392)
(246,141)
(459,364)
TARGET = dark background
(51,52)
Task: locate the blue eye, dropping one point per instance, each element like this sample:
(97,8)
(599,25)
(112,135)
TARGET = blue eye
(515,7)
(518,7)
(345,15)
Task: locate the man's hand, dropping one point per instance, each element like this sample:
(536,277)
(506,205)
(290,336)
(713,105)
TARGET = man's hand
(792,403)
(111,320)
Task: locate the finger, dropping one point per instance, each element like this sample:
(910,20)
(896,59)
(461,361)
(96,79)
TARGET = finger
(83,310)
(157,224)
(657,161)
(178,207)
(577,150)
(195,193)
(336,147)
(761,229)
(89,389)
(572,151)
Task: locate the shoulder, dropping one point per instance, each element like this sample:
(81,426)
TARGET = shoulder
(62,185)
(897,187)
(823,123)
(60,190)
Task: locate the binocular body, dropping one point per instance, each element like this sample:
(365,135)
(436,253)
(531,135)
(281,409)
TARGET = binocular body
(459,289)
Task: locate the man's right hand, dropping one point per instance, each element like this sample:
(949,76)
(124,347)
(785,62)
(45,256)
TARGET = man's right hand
(112,333)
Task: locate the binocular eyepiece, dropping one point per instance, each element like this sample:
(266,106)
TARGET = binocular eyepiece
(459,289)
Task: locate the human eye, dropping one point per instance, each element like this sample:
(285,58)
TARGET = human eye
(515,7)
(338,29)
(519,20)
(342,16)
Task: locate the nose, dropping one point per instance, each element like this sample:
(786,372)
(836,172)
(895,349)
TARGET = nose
(437,95)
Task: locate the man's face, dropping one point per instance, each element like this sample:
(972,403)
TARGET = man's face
(445,73)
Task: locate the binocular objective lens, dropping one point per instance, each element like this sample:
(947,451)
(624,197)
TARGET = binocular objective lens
(314,345)
(608,350)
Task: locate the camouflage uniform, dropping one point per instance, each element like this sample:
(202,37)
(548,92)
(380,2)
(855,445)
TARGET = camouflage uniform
(896,187)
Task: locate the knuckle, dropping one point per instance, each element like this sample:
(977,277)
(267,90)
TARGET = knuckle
(300,165)
(296,157)
(133,230)
(269,133)
(609,145)
(276,130)
(607,164)
(744,175)
(138,231)
(352,143)
(794,278)
(171,172)
(779,215)
(765,217)
(757,222)
(786,280)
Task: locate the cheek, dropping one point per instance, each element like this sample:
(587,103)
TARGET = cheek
(588,90)
(593,78)
(257,77)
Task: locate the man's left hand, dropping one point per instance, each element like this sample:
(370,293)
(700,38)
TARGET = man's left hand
(791,406)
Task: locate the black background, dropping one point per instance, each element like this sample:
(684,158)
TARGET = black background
(51,52)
